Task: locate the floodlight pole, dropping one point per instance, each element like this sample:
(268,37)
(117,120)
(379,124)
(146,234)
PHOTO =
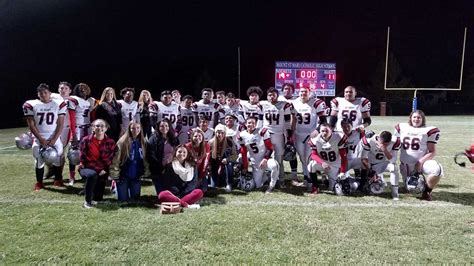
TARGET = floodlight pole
(386,57)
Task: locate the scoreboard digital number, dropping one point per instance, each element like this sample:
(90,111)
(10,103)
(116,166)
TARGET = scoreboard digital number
(320,78)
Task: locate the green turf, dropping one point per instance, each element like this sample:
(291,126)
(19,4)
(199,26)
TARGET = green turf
(288,226)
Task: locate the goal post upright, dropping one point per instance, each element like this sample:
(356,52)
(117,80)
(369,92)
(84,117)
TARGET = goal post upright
(414,105)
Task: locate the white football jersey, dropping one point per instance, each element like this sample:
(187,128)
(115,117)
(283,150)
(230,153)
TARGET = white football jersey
(171,112)
(208,134)
(353,144)
(82,111)
(129,113)
(329,150)
(414,141)
(45,115)
(233,133)
(374,154)
(70,105)
(188,120)
(352,110)
(254,142)
(246,110)
(209,110)
(274,115)
(307,114)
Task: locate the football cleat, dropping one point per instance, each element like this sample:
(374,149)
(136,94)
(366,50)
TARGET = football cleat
(24,141)
(38,186)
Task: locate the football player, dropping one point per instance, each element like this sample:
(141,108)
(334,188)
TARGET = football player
(380,154)
(357,109)
(328,155)
(252,107)
(309,114)
(418,149)
(169,110)
(231,107)
(129,108)
(354,147)
(288,90)
(188,120)
(45,119)
(176,95)
(204,126)
(205,107)
(277,118)
(259,147)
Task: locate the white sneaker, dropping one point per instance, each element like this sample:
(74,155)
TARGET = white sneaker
(395,195)
(71,182)
(228,188)
(269,190)
(87,205)
(194,206)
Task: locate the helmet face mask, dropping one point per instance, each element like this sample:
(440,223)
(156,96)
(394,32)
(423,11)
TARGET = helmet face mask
(376,185)
(290,153)
(415,183)
(24,141)
(246,182)
(346,186)
(49,155)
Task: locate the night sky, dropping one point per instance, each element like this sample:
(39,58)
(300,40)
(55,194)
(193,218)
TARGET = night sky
(188,44)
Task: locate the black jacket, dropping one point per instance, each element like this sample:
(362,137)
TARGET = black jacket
(154,153)
(173,183)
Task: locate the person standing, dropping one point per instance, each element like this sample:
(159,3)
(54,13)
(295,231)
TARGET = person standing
(45,119)
(357,109)
(110,111)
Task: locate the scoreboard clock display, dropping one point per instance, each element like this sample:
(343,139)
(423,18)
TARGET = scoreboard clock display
(320,78)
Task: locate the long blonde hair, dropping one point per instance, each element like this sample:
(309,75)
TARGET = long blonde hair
(104,92)
(125,142)
(218,147)
(141,99)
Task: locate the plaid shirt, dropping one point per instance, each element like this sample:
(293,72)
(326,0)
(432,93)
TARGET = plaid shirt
(106,149)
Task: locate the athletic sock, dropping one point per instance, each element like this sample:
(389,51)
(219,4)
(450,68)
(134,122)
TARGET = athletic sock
(39,174)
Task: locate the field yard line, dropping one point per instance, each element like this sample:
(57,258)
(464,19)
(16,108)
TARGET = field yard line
(433,204)
(395,204)
(9,147)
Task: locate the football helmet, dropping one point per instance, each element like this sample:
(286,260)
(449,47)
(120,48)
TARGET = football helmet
(74,155)
(369,133)
(415,183)
(49,155)
(24,141)
(246,182)
(376,184)
(290,152)
(346,186)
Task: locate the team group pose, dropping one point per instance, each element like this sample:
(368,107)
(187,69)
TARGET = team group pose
(189,148)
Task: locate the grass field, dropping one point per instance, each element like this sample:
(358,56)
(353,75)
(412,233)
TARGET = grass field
(289,226)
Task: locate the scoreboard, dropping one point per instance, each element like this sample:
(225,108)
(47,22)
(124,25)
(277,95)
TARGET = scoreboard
(320,78)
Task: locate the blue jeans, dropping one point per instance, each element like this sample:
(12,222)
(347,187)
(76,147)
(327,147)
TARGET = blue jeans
(128,189)
(95,184)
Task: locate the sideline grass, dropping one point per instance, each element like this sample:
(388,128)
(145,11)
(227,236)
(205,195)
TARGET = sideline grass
(284,227)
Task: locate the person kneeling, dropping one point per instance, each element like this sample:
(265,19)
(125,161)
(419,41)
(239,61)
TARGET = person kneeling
(180,180)
(129,164)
